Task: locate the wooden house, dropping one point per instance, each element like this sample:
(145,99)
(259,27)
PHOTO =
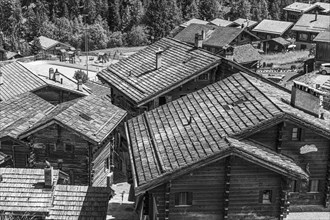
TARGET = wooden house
(41,194)
(308,27)
(52,46)
(275,45)
(76,137)
(219,40)
(297,9)
(246,55)
(268,29)
(56,88)
(241,148)
(221,22)
(322,53)
(244,23)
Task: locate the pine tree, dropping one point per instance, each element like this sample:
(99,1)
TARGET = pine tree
(275,11)
(191,11)
(263,5)
(137,12)
(208,9)
(114,19)
(126,19)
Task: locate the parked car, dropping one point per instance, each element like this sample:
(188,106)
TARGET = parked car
(325,68)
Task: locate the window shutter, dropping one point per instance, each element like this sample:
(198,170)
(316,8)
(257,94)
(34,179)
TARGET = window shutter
(176,198)
(190,198)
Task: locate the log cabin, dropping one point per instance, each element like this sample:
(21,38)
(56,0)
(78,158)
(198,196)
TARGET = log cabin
(268,29)
(307,28)
(43,194)
(294,11)
(216,39)
(77,136)
(322,53)
(240,148)
(51,46)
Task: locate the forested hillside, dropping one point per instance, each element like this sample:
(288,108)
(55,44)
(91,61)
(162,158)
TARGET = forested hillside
(111,23)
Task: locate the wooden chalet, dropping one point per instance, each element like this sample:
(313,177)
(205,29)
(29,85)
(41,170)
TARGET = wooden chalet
(241,148)
(76,136)
(322,53)
(16,79)
(297,9)
(52,46)
(40,194)
(308,27)
(275,45)
(268,29)
(219,40)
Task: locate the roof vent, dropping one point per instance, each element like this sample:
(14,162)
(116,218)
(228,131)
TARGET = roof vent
(198,40)
(159,58)
(85,116)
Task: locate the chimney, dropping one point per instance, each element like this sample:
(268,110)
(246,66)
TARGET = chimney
(109,179)
(57,76)
(79,85)
(1,77)
(203,35)
(198,40)
(306,98)
(316,13)
(51,73)
(48,176)
(159,58)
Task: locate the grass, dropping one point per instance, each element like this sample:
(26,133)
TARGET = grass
(285,60)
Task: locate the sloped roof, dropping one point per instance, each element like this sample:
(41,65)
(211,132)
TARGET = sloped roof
(247,23)
(214,36)
(191,130)
(273,26)
(19,113)
(22,190)
(188,34)
(193,21)
(245,54)
(300,7)
(97,88)
(17,79)
(323,37)
(281,41)
(324,5)
(79,202)
(307,23)
(91,116)
(221,22)
(138,78)
(47,43)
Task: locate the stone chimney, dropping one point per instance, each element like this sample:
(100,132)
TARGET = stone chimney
(51,74)
(49,176)
(79,85)
(1,77)
(159,58)
(57,76)
(306,98)
(198,40)
(316,13)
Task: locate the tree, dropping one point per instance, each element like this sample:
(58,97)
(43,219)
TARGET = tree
(208,9)
(263,6)
(114,19)
(137,36)
(79,74)
(126,19)
(244,9)
(191,11)
(275,11)
(97,37)
(137,12)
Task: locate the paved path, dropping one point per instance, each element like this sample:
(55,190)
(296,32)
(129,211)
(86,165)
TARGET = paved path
(119,206)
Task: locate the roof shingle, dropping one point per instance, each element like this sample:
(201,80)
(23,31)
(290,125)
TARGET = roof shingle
(273,26)
(307,23)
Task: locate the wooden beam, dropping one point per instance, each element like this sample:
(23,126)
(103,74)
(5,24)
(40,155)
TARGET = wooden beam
(279,138)
(167,200)
(228,162)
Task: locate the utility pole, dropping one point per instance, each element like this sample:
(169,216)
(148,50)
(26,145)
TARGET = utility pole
(86,41)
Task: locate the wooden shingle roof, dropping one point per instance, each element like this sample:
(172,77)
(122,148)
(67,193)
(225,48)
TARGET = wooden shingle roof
(21,112)
(138,78)
(221,22)
(185,133)
(273,26)
(245,22)
(193,21)
(4,158)
(245,54)
(323,37)
(91,116)
(22,191)
(17,79)
(47,43)
(300,7)
(79,202)
(307,23)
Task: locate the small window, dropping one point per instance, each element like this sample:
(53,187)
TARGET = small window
(266,196)
(162,100)
(314,186)
(296,134)
(203,77)
(294,186)
(68,147)
(107,163)
(183,198)
(303,37)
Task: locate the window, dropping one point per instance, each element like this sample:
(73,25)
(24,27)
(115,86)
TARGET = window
(183,198)
(266,196)
(294,186)
(303,37)
(314,186)
(68,147)
(303,47)
(107,163)
(296,134)
(203,77)
(162,100)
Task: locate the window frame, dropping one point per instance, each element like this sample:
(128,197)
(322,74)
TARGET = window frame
(188,197)
(200,78)
(262,198)
(298,133)
(314,186)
